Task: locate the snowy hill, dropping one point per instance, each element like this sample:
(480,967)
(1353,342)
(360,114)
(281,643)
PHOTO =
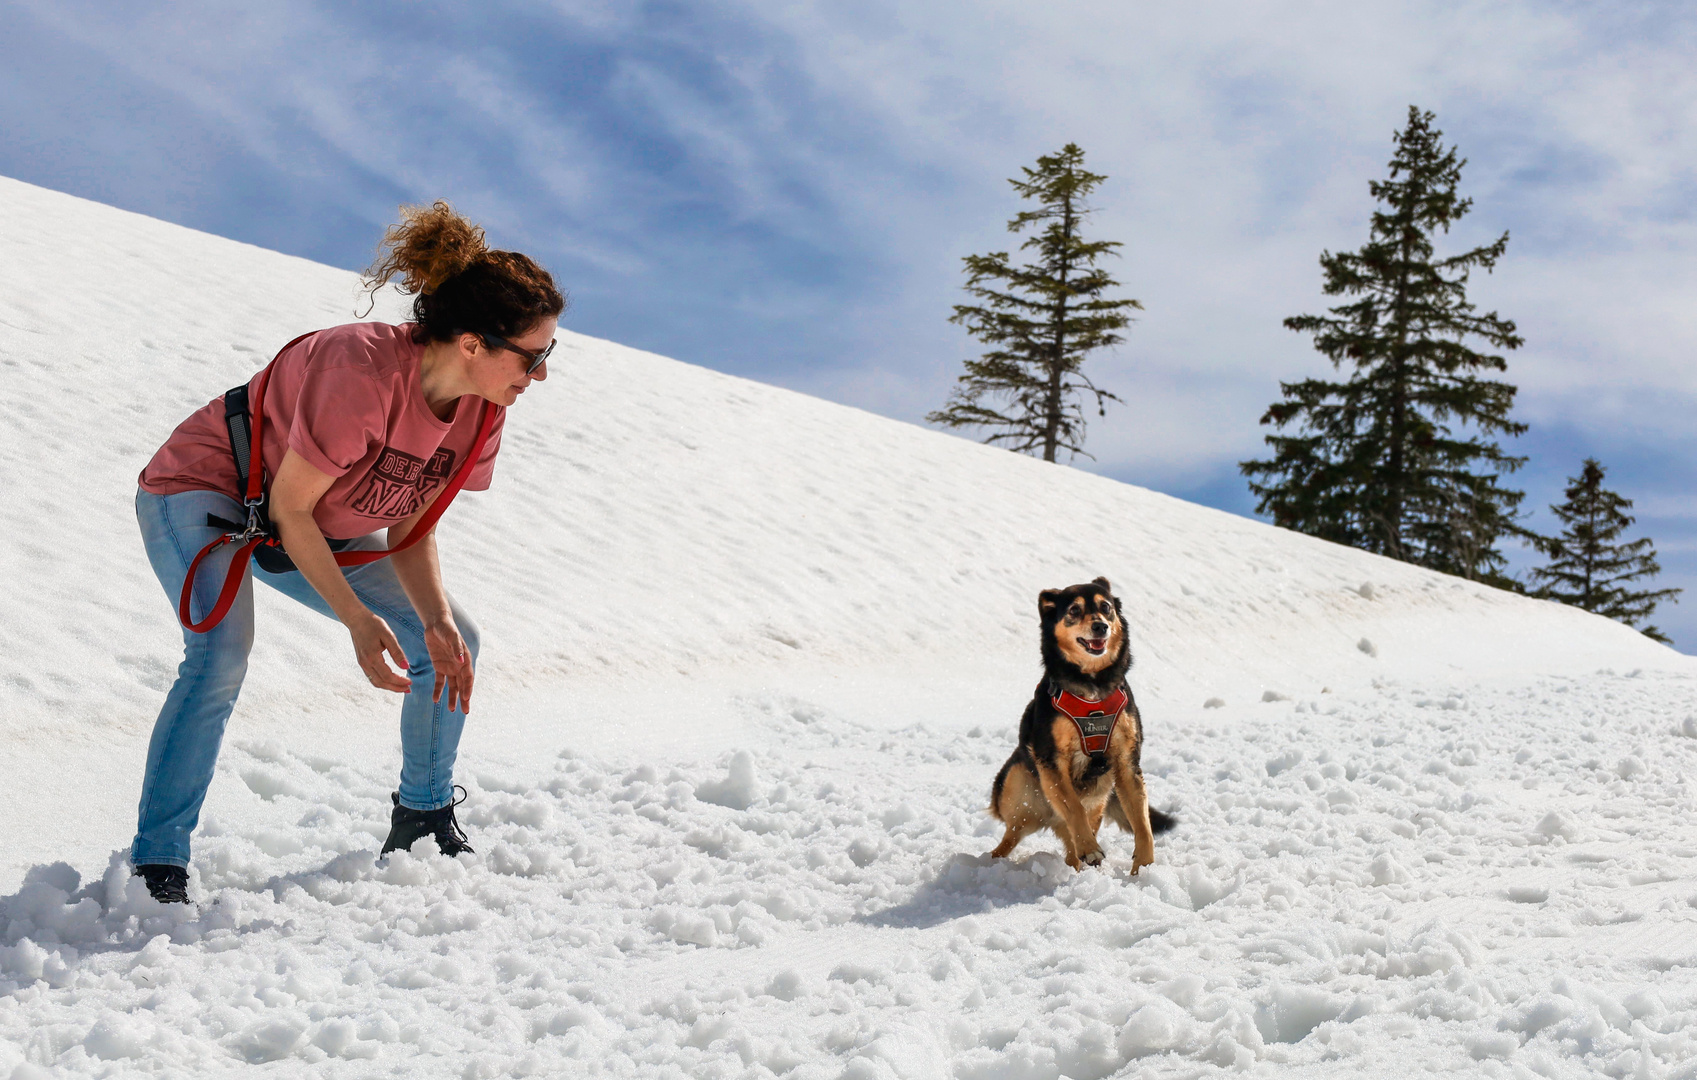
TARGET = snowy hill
(750,662)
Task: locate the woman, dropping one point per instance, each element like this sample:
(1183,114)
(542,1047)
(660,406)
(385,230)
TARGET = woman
(362,426)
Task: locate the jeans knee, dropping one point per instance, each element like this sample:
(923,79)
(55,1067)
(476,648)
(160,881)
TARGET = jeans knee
(220,662)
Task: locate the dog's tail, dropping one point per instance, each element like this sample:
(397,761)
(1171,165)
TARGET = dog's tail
(996,790)
(1158,822)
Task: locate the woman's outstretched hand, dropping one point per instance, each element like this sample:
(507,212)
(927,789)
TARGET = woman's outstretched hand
(372,638)
(452,661)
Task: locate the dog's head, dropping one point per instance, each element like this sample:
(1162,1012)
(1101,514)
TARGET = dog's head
(1084,629)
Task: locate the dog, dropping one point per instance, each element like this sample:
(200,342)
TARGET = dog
(1081,739)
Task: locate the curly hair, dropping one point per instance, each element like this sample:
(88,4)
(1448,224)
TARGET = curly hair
(457,282)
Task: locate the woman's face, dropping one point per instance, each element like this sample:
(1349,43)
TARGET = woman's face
(500,373)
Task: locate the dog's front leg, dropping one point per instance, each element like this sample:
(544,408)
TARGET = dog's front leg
(1134,803)
(1082,848)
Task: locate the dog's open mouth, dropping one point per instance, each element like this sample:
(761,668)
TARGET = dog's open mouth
(1094,646)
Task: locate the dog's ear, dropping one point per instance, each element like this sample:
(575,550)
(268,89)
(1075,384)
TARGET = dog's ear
(1047,599)
(1102,581)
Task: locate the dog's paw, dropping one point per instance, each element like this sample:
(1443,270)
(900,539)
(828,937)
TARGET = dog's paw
(1094,858)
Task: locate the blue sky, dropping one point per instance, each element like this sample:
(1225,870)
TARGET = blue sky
(784,190)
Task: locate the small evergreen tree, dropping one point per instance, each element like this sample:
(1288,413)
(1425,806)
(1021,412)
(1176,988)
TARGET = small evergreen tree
(1042,319)
(1378,461)
(1589,567)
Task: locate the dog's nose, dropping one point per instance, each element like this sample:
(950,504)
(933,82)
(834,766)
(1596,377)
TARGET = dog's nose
(1099,628)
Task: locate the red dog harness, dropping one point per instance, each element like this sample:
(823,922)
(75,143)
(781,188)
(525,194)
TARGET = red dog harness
(259,529)
(1095,720)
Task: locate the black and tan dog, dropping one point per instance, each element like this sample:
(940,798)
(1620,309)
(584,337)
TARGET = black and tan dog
(1081,739)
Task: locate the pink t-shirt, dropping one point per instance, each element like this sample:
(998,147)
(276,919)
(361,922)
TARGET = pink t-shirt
(349,401)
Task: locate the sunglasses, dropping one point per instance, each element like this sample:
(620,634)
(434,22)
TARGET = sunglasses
(537,359)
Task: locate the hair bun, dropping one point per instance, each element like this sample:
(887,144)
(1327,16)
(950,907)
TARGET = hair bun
(456,282)
(430,245)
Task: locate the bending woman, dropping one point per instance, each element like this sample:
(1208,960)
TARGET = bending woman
(366,423)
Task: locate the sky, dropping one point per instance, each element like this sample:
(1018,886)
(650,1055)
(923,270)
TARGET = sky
(785,190)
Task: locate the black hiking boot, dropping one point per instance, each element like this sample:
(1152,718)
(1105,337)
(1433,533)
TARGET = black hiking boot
(407,825)
(166,884)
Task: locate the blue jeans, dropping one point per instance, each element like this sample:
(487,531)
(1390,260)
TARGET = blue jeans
(184,748)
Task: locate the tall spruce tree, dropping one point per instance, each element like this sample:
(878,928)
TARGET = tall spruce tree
(1590,567)
(1042,319)
(1399,458)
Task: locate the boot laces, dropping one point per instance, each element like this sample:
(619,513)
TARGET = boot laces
(448,828)
(166,884)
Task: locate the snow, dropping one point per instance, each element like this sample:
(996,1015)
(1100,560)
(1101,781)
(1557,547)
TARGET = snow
(750,662)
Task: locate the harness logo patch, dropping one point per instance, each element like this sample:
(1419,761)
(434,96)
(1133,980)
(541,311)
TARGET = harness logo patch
(400,483)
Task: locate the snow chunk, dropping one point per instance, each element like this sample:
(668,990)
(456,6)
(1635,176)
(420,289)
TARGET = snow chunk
(566,1019)
(60,875)
(1496,1045)
(1274,695)
(1546,1011)
(1557,824)
(1387,871)
(738,790)
(1205,890)
(1214,703)
(1365,590)
(1295,1011)
(270,784)
(1643,1003)
(863,852)
(852,973)
(786,985)
(335,1036)
(1092,1053)
(29,962)
(1155,1028)
(685,927)
(1286,760)
(269,1038)
(116,1036)
(1367,647)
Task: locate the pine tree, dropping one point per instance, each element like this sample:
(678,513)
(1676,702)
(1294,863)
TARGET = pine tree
(1399,457)
(1042,319)
(1589,568)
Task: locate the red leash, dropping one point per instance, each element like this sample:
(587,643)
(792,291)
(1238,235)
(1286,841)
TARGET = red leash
(259,530)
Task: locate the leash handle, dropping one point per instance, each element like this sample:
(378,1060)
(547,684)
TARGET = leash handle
(226,595)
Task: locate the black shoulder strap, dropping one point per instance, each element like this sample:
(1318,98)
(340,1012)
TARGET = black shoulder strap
(236,418)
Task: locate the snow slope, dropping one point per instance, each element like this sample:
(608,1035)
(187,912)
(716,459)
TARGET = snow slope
(751,660)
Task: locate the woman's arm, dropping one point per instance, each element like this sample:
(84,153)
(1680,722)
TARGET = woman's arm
(420,572)
(295,490)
